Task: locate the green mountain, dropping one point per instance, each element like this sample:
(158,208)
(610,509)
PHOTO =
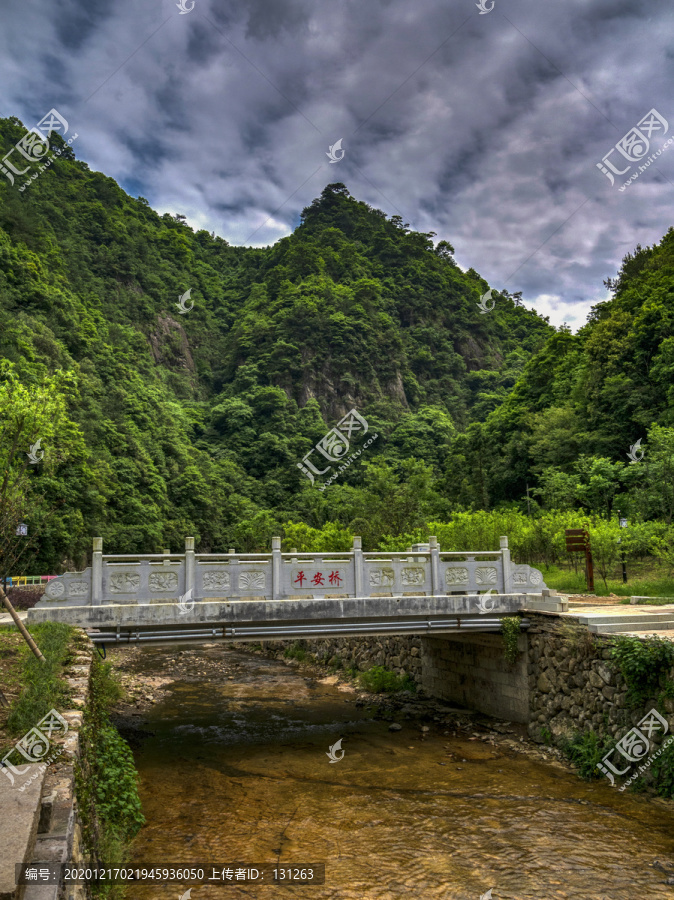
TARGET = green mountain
(195,422)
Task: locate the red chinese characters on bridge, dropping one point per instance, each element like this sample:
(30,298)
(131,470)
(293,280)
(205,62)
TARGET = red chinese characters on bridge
(334,578)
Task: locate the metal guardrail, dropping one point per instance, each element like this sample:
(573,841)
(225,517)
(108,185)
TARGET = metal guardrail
(452,625)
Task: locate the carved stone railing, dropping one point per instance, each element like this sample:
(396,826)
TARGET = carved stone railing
(167,577)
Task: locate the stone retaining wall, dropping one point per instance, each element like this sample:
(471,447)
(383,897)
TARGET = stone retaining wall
(401,654)
(573,685)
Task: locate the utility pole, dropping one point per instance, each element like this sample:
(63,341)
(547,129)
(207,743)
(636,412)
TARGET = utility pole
(528,502)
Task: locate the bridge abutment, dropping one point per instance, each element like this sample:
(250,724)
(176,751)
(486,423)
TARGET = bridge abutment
(472,671)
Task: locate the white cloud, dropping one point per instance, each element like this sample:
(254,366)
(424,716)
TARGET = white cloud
(225,115)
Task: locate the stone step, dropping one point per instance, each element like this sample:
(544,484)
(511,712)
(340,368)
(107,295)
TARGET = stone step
(631,616)
(641,625)
(636,600)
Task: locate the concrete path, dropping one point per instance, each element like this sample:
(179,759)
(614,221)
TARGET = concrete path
(6,619)
(19,819)
(623,619)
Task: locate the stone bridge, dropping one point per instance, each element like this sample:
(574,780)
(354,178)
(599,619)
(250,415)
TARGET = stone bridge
(262,596)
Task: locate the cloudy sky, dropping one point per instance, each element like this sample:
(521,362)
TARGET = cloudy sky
(483,127)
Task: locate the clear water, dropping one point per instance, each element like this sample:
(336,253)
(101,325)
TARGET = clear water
(238,770)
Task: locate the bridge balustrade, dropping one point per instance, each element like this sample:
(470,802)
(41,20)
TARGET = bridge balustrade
(423,570)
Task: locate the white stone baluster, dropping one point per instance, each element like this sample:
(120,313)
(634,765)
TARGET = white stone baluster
(436,586)
(97,572)
(190,566)
(358,568)
(505,556)
(276,562)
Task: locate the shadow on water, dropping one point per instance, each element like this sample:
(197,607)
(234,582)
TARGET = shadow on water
(234,767)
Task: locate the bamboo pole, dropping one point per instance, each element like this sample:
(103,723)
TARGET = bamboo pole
(19,624)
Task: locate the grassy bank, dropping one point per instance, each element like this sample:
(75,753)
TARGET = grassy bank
(643,580)
(107,782)
(33,687)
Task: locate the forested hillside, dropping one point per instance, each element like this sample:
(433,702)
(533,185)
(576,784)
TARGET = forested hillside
(176,424)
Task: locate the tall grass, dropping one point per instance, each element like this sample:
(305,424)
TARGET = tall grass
(43,687)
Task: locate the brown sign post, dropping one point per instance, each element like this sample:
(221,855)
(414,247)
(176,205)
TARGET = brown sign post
(578,540)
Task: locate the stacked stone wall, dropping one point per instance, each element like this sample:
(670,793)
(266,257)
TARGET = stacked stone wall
(574,684)
(401,654)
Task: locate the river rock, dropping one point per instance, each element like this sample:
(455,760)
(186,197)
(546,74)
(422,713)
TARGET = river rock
(595,680)
(544,683)
(395,727)
(605,674)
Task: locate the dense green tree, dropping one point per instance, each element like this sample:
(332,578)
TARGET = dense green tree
(195,423)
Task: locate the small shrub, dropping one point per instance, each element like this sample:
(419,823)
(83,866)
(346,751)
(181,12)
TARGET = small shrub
(662,772)
(107,782)
(586,749)
(546,736)
(116,788)
(510,631)
(645,665)
(378,679)
(296,651)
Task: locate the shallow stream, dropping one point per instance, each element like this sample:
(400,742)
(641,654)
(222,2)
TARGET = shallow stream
(235,767)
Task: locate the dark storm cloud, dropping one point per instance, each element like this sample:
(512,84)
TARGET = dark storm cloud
(483,128)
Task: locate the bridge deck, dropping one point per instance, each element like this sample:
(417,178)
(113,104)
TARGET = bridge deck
(265,619)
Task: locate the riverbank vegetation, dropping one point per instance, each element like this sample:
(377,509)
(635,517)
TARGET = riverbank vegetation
(107,782)
(647,667)
(379,679)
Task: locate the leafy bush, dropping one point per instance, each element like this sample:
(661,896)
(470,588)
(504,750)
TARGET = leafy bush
(378,679)
(645,665)
(296,651)
(662,772)
(116,788)
(107,781)
(586,749)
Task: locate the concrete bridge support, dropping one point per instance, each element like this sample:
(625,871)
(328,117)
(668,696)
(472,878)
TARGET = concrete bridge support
(471,670)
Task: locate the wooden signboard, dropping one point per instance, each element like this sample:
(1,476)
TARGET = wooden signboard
(578,541)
